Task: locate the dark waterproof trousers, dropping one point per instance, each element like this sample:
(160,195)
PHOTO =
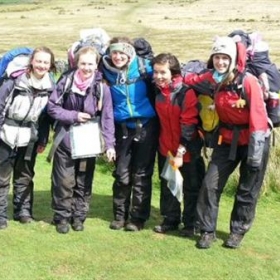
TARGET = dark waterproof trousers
(71,186)
(247,191)
(12,162)
(133,173)
(193,173)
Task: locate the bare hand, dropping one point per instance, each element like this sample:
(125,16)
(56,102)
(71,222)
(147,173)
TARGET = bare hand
(83,117)
(177,161)
(40,149)
(111,154)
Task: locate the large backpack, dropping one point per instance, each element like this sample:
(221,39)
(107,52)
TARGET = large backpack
(14,62)
(259,64)
(143,48)
(96,37)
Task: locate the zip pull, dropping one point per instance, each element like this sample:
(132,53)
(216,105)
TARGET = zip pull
(220,139)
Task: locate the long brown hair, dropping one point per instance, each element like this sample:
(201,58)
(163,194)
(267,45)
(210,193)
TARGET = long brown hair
(46,50)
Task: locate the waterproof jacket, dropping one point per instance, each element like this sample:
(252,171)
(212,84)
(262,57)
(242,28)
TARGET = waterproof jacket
(64,106)
(130,91)
(23,117)
(178,116)
(252,119)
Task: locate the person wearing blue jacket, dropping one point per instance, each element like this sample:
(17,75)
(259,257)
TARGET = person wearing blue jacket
(136,125)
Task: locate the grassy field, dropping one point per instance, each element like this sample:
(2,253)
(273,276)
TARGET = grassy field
(186,28)
(36,251)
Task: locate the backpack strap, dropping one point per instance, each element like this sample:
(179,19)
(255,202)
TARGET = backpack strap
(180,93)
(142,70)
(141,66)
(57,140)
(8,101)
(99,91)
(240,88)
(66,88)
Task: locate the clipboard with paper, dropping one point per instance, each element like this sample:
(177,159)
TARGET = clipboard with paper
(173,177)
(86,139)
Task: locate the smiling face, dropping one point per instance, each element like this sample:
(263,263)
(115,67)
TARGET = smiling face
(41,64)
(119,59)
(162,74)
(87,64)
(221,63)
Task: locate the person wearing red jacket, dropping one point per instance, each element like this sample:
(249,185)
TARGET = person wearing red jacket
(177,109)
(242,138)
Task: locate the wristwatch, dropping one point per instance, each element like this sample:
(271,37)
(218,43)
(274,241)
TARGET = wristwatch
(181,150)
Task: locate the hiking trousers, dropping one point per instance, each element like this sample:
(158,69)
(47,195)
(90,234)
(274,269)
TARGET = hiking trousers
(12,162)
(133,172)
(71,186)
(247,191)
(170,208)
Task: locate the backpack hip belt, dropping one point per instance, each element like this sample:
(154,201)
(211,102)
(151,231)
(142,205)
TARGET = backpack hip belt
(236,131)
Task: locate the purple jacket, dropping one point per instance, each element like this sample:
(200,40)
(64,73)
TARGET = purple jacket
(64,109)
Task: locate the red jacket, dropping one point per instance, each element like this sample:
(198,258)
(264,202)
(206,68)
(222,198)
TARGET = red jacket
(252,118)
(178,116)
(254,115)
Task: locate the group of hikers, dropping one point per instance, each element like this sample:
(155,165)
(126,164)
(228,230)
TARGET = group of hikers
(142,114)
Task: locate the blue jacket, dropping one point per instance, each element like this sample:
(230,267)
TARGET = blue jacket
(129,91)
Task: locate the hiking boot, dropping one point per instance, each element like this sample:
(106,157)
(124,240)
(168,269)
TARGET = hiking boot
(233,240)
(165,227)
(3,224)
(206,240)
(77,225)
(134,226)
(187,232)
(63,227)
(25,220)
(117,225)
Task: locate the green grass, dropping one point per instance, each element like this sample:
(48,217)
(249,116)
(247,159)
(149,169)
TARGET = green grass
(9,2)
(36,251)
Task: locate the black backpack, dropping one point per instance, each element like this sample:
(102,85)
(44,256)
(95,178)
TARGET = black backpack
(143,48)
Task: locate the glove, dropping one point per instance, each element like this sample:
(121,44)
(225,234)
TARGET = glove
(240,103)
